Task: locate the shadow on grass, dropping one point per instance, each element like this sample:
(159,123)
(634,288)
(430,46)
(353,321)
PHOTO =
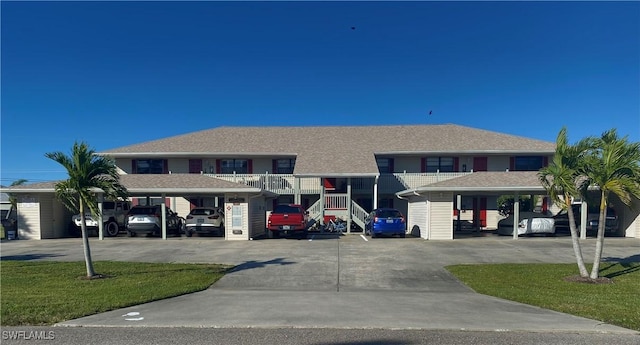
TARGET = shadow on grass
(257,264)
(27,257)
(628,268)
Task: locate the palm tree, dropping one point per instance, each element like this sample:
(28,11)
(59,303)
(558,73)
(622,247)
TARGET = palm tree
(613,167)
(88,174)
(12,198)
(563,180)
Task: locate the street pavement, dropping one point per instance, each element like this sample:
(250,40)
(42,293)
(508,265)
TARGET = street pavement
(331,282)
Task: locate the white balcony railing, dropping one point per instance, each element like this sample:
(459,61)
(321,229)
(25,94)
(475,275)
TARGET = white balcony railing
(387,183)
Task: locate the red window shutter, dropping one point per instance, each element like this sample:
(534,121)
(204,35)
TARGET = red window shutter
(134,166)
(250,166)
(456,160)
(218,168)
(423,164)
(455,211)
(165,168)
(134,201)
(479,163)
(167,202)
(512,163)
(391,167)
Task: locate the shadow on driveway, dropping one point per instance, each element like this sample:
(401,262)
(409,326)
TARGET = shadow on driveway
(258,264)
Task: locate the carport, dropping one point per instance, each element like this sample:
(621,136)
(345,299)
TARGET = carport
(41,215)
(430,207)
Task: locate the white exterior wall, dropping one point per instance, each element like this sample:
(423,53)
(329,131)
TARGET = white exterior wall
(242,229)
(180,205)
(417,217)
(440,209)
(262,165)
(408,164)
(257,219)
(28,217)
(631,216)
(178,165)
(498,163)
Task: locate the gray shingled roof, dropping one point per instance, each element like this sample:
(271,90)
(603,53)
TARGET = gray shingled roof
(335,151)
(486,181)
(177,184)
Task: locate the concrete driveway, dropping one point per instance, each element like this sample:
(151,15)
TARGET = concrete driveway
(331,282)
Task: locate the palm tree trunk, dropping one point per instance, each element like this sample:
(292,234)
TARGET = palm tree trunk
(577,249)
(85,243)
(595,270)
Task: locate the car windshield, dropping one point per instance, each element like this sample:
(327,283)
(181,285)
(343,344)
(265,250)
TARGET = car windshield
(389,214)
(286,209)
(202,212)
(143,210)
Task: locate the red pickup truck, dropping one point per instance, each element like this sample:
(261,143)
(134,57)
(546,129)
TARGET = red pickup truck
(288,219)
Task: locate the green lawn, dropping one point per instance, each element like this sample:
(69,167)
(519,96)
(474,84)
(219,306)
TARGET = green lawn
(44,292)
(543,285)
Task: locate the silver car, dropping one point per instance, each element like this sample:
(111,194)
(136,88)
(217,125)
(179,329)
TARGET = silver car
(148,220)
(205,220)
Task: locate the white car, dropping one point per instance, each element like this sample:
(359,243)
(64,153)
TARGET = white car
(530,223)
(207,220)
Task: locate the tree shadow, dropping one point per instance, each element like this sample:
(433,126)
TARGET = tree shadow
(27,257)
(628,259)
(629,267)
(258,264)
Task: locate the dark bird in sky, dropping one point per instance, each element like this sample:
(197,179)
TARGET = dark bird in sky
(430,112)
(353,28)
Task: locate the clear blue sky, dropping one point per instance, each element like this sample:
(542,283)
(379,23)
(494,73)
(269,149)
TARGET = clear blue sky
(119,73)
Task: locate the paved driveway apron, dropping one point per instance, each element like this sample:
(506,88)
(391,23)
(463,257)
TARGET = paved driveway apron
(328,282)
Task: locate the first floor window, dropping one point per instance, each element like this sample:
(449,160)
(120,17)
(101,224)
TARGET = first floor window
(149,166)
(229,166)
(441,164)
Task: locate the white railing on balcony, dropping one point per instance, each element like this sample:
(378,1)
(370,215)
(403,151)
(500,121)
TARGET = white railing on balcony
(387,183)
(337,201)
(358,214)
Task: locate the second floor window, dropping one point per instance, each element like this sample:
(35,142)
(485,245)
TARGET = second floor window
(385,165)
(229,166)
(149,166)
(528,163)
(442,164)
(284,166)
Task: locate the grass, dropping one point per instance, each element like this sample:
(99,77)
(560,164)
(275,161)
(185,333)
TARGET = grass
(544,285)
(45,292)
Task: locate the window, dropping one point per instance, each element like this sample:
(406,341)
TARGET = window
(385,165)
(284,166)
(229,166)
(149,166)
(528,163)
(442,164)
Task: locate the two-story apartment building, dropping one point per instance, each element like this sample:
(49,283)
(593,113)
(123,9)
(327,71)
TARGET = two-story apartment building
(432,173)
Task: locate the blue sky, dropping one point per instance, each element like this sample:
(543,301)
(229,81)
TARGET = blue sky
(119,73)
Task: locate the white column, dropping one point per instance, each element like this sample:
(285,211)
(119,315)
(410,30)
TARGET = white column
(296,191)
(583,219)
(349,205)
(375,192)
(516,215)
(100,220)
(164,217)
(322,199)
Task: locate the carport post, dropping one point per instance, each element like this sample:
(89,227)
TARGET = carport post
(516,215)
(348,205)
(164,216)
(100,220)
(375,192)
(583,220)
(322,199)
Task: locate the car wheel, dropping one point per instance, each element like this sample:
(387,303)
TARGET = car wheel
(112,229)
(403,235)
(275,234)
(188,233)
(373,235)
(131,234)
(74,231)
